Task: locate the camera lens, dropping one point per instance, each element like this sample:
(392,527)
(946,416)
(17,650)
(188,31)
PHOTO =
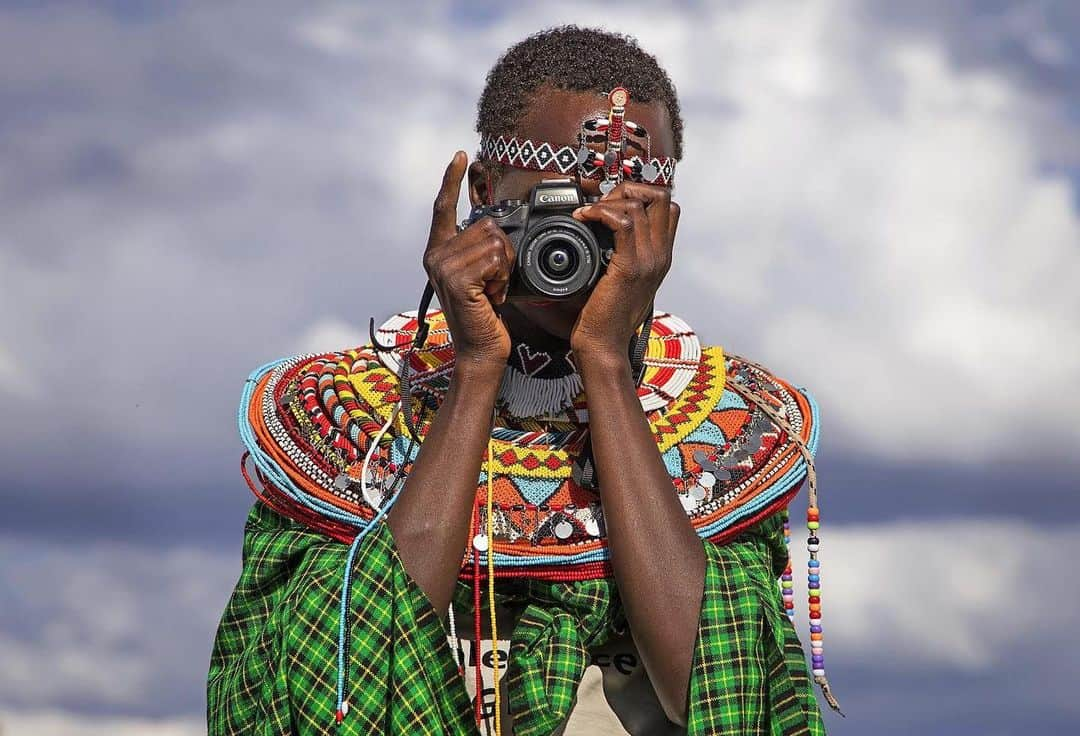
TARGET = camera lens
(558,259)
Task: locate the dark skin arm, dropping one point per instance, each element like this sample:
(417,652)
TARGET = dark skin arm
(658,559)
(430,520)
(469,272)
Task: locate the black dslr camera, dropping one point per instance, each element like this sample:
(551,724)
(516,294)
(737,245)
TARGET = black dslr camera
(558,257)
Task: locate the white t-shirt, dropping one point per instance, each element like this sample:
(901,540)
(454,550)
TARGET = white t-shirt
(615,695)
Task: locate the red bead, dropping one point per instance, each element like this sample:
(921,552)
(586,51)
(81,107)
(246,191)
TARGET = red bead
(812,514)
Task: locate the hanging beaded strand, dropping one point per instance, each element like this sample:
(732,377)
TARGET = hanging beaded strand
(786,591)
(455,643)
(813,585)
(812,542)
(482,542)
(478,541)
(491,584)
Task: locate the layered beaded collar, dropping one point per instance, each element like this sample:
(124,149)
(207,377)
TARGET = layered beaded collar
(737,441)
(544,385)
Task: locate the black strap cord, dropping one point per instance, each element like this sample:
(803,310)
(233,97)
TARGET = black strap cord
(404,379)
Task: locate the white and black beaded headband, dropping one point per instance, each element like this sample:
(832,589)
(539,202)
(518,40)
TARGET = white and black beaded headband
(610,166)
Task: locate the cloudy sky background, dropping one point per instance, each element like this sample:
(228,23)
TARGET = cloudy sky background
(882,203)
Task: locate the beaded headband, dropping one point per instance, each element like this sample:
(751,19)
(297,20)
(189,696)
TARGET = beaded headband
(610,167)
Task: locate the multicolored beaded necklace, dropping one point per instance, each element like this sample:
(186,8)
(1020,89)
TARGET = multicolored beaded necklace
(738,449)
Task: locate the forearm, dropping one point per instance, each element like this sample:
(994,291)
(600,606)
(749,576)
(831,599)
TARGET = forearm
(658,560)
(430,519)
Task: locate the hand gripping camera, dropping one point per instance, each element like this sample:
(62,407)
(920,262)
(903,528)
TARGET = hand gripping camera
(558,257)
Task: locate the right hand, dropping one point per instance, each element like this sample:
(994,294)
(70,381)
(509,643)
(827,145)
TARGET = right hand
(470,272)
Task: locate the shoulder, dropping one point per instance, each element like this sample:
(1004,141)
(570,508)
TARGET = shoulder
(765,396)
(740,397)
(308,422)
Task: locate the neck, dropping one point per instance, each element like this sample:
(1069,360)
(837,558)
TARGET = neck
(522,329)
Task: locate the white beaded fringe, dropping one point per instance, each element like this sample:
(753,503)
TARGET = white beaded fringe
(527,396)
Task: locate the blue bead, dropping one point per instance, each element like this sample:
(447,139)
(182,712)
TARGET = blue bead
(815,629)
(813,563)
(814,578)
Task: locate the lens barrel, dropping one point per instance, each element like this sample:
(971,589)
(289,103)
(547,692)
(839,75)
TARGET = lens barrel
(559,257)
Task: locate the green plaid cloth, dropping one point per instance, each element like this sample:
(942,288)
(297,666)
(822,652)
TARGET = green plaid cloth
(273,669)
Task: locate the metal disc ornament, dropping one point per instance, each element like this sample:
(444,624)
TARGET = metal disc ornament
(649,172)
(702,459)
(564,529)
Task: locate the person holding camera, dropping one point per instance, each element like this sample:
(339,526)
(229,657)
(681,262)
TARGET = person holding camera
(633,488)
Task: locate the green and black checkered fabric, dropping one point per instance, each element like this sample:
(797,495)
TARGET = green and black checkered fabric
(273,669)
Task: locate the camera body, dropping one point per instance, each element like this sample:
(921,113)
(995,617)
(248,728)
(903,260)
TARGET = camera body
(558,257)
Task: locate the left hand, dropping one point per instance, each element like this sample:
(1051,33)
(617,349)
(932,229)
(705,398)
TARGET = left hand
(644,220)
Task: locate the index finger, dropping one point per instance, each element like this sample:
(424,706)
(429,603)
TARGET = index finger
(444,214)
(647,193)
(650,194)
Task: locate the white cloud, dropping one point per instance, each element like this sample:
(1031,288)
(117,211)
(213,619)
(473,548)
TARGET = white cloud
(10,376)
(61,723)
(123,627)
(876,224)
(331,334)
(977,596)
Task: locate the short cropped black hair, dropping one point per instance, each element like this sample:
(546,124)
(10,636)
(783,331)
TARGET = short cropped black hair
(571,58)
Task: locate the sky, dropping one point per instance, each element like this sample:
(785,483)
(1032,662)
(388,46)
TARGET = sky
(880,201)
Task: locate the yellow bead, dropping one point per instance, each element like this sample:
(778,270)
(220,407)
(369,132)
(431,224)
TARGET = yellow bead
(812,525)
